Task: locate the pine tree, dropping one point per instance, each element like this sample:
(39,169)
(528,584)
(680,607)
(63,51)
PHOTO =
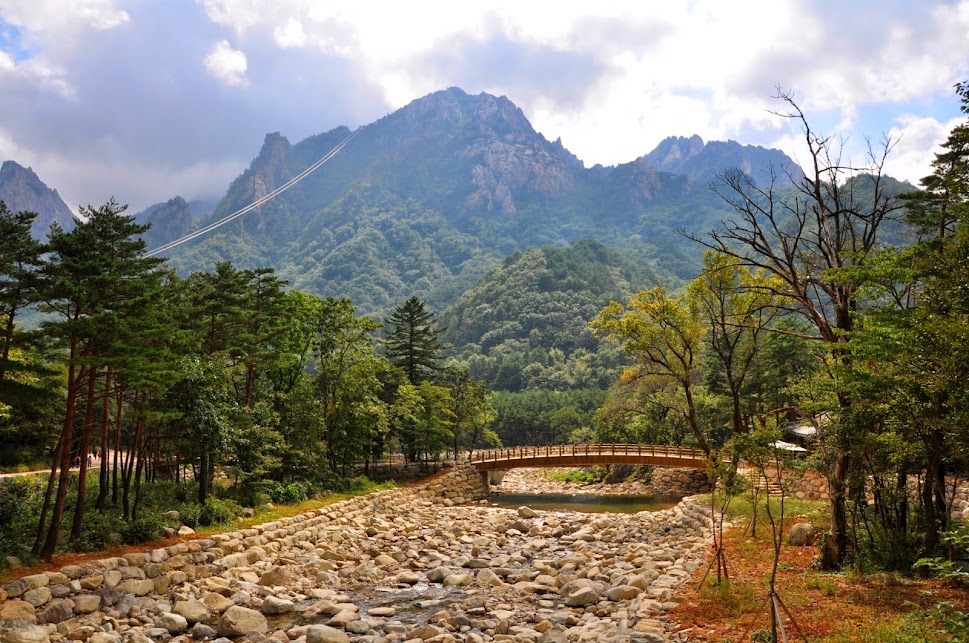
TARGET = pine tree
(414,343)
(20,258)
(93,272)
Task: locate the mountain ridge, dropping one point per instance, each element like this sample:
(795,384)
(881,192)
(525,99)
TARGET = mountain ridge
(21,189)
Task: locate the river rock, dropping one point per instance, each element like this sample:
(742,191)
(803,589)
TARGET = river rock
(17,610)
(216,602)
(23,632)
(193,610)
(238,620)
(325,634)
(277,576)
(86,603)
(174,623)
(582,596)
(274,606)
(527,512)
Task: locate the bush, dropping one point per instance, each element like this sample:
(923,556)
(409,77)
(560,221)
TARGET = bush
(575,476)
(148,526)
(287,494)
(95,530)
(219,512)
(190,513)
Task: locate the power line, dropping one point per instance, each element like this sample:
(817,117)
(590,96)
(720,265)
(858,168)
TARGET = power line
(258,202)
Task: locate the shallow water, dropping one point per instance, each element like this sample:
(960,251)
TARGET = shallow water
(584,503)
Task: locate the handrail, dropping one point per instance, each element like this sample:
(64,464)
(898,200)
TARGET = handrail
(563,450)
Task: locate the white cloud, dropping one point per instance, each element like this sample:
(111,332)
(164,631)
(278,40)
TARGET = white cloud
(918,141)
(227,64)
(59,17)
(290,35)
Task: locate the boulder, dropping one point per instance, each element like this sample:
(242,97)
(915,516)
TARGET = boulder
(23,632)
(174,623)
(581,597)
(237,621)
(37,596)
(193,610)
(325,634)
(527,512)
(277,576)
(17,610)
(274,606)
(217,602)
(803,534)
(86,603)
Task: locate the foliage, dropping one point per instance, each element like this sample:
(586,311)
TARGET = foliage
(523,327)
(577,476)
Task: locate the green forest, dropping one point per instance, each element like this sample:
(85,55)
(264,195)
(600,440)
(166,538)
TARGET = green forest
(839,302)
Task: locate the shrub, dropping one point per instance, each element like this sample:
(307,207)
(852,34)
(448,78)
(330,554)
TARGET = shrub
(218,511)
(148,526)
(287,494)
(189,513)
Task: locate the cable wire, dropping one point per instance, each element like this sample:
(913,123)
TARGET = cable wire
(258,202)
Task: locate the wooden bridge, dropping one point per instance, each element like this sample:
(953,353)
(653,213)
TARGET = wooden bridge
(586,455)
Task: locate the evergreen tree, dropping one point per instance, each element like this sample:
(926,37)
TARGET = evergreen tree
(414,343)
(93,273)
(20,258)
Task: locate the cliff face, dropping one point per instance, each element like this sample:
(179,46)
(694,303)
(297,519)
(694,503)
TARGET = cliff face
(22,189)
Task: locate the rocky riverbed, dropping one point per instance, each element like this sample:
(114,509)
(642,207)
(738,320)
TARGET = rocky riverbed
(394,566)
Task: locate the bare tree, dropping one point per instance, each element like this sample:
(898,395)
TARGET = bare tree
(812,235)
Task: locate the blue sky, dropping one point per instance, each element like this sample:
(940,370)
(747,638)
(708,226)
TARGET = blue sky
(147,99)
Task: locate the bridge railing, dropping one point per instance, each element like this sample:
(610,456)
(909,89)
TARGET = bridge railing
(572,450)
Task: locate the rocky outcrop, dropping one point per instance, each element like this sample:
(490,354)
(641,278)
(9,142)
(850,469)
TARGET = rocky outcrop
(22,189)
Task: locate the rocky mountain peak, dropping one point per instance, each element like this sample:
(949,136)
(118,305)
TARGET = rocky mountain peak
(673,151)
(22,189)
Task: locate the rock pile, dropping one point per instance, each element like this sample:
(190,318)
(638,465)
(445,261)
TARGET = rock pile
(391,566)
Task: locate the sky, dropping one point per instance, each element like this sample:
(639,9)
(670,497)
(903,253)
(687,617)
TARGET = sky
(144,100)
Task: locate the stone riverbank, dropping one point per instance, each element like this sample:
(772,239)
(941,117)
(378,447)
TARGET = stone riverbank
(399,565)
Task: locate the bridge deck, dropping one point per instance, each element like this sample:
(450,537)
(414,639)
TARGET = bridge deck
(583,455)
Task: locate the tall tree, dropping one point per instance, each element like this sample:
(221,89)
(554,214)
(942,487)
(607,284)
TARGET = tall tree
(812,240)
(20,260)
(665,336)
(413,342)
(92,272)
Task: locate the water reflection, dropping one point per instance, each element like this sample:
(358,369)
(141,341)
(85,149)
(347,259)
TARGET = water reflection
(585,503)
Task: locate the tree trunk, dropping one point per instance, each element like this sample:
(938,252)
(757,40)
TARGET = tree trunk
(116,469)
(7,342)
(39,538)
(836,547)
(74,377)
(105,424)
(80,504)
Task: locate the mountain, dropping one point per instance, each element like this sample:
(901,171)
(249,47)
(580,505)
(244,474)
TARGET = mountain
(701,161)
(432,197)
(21,189)
(171,220)
(525,325)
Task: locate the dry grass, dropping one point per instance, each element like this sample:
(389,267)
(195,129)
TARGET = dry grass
(835,608)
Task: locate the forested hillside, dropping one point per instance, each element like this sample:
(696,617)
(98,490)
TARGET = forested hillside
(525,326)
